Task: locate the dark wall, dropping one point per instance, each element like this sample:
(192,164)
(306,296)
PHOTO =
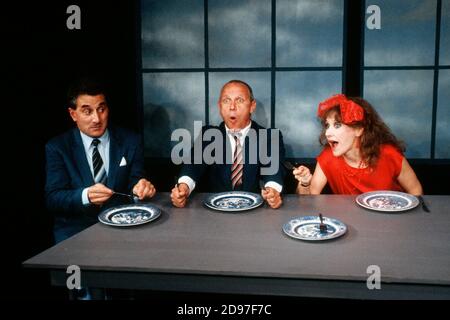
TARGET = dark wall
(43,58)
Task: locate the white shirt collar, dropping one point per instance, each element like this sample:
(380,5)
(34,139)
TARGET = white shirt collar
(87,140)
(243,131)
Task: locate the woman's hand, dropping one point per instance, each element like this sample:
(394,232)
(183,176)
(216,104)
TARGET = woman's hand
(303,175)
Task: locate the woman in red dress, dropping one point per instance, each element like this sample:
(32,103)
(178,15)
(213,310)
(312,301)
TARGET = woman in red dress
(360,152)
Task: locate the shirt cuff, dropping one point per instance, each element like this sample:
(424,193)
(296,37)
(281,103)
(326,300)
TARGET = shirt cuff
(84,197)
(274,185)
(188,181)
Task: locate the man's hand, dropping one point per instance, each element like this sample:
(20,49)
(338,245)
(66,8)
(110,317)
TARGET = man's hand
(179,195)
(272,196)
(144,189)
(99,194)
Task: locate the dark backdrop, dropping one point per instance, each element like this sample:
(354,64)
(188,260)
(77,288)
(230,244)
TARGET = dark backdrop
(43,57)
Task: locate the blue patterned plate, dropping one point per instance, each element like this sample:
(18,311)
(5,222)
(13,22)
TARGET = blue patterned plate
(129,215)
(307,228)
(387,201)
(233,201)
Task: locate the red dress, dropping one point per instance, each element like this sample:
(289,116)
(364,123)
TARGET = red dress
(344,179)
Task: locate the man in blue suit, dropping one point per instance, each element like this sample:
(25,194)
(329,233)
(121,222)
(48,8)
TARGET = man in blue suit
(236,104)
(85,166)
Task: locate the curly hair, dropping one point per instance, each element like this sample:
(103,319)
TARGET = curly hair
(375,134)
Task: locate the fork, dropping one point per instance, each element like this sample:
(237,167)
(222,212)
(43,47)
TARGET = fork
(289,165)
(262,185)
(322,226)
(133,198)
(124,194)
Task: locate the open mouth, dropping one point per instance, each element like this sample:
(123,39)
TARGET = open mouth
(233,118)
(333,144)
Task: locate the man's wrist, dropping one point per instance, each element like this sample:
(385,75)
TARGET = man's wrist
(274,185)
(85,197)
(188,181)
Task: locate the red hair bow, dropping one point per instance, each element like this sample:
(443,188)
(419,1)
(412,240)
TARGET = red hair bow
(350,110)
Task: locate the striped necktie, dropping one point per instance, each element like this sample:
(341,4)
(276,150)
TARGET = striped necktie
(238,166)
(97,163)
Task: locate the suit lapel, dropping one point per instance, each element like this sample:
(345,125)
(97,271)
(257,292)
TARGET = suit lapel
(115,150)
(79,155)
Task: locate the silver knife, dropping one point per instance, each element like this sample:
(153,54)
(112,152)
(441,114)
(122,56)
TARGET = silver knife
(424,206)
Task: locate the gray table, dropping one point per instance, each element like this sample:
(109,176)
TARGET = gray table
(196,249)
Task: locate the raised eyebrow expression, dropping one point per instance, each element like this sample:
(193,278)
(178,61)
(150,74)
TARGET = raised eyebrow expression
(228,100)
(87,109)
(336,124)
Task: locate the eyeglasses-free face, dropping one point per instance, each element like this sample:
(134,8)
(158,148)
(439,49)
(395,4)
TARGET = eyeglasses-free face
(91,114)
(236,106)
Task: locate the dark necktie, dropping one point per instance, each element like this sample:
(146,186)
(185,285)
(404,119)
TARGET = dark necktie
(97,163)
(238,166)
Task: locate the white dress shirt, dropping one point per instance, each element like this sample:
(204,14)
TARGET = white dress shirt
(103,149)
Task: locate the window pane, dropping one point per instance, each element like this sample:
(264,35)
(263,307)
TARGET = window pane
(407,34)
(239,33)
(171,101)
(172,34)
(444,54)
(303,39)
(404,101)
(442,150)
(258,81)
(298,95)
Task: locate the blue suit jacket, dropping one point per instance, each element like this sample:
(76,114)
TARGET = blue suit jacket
(218,176)
(68,172)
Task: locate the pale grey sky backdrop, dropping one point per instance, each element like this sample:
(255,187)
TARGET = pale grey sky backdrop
(172,34)
(303,39)
(404,100)
(443,116)
(444,54)
(407,34)
(171,101)
(298,94)
(239,33)
(309,33)
(404,97)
